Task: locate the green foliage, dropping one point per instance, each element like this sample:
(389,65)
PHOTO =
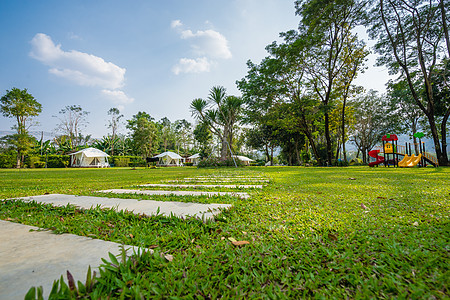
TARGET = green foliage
(7,160)
(22,106)
(413,41)
(144,134)
(353,232)
(127,161)
(34,161)
(57,161)
(203,136)
(221,113)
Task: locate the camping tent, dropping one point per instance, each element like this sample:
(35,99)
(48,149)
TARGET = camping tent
(169,159)
(194,159)
(243,159)
(89,157)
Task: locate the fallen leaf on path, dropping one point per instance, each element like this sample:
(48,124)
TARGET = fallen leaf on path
(240,243)
(168,257)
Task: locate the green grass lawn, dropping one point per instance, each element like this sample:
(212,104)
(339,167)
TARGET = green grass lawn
(355,232)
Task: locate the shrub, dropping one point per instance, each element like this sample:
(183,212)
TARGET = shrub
(7,160)
(35,161)
(127,161)
(121,161)
(57,161)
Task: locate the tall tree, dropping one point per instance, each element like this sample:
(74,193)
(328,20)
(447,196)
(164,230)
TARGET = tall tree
(167,133)
(203,136)
(276,93)
(413,40)
(113,124)
(144,134)
(325,31)
(22,106)
(221,112)
(72,120)
(184,134)
(353,65)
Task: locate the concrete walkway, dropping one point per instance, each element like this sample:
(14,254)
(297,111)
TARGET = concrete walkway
(224,180)
(147,207)
(176,193)
(38,258)
(228,186)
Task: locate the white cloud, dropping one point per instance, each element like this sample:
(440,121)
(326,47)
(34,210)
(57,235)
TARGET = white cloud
(176,23)
(208,45)
(117,96)
(188,65)
(208,42)
(81,68)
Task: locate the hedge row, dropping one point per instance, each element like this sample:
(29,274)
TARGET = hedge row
(8,160)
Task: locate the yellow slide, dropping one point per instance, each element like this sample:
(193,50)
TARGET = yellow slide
(410,161)
(403,162)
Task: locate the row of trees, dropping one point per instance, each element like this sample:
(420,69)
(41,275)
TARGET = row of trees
(146,137)
(301,97)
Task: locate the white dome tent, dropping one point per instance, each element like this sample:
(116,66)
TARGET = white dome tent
(89,158)
(195,159)
(169,159)
(245,160)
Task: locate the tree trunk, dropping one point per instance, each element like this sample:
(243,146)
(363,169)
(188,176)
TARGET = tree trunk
(223,150)
(343,129)
(444,26)
(297,153)
(364,155)
(305,130)
(414,131)
(444,136)
(271,155)
(437,146)
(416,145)
(328,139)
(19,158)
(313,146)
(338,148)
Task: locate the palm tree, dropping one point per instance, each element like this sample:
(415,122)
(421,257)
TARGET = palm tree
(221,113)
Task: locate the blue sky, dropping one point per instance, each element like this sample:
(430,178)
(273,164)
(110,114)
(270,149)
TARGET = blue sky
(152,56)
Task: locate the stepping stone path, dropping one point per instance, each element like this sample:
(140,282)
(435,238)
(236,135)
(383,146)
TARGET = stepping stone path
(228,186)
(176,193)
(147,207)
(223,179)
(38,258)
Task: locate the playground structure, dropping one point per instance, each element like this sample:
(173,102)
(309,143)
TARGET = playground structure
(391,152)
